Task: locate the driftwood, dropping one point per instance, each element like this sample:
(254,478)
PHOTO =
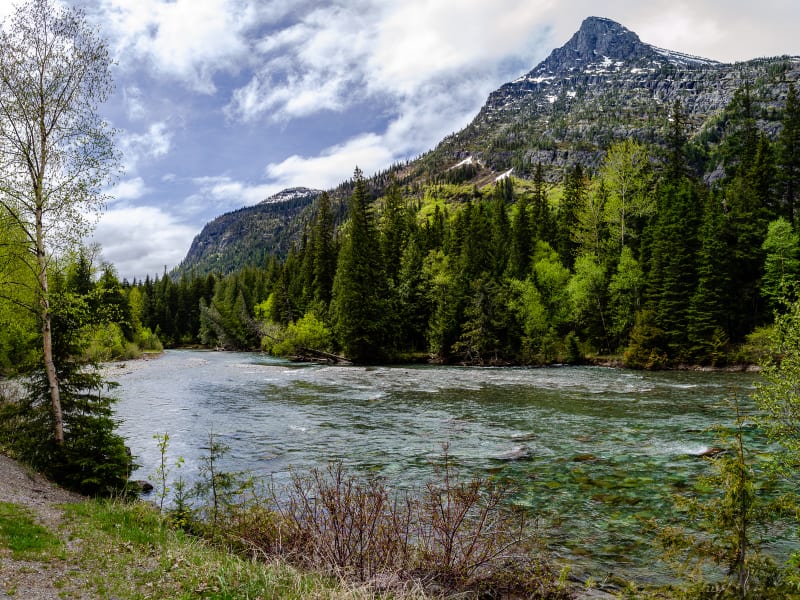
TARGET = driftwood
(319,355)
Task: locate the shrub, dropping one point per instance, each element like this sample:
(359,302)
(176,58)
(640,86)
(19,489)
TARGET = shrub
(307,332)
(454,536)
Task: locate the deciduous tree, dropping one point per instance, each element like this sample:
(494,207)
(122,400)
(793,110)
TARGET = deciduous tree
(56,152)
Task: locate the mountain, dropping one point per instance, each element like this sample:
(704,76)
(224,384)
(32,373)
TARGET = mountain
(604,85)
(246,236)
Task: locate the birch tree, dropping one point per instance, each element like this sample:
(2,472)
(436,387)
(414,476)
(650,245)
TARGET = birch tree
(56,151)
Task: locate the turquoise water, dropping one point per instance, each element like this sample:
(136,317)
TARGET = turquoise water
(597,451)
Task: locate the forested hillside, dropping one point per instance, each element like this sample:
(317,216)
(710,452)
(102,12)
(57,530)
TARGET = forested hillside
(603,86)
(617,201)
(641,258)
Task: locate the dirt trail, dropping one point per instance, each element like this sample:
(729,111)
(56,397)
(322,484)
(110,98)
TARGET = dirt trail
(54,579)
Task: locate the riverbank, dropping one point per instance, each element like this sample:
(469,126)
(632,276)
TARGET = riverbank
(55,544)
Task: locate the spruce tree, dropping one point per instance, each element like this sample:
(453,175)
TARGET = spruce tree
(358,305)
(324,251)
(394,231)
(709,310)
(521,239)
(789,154)
(568,214)
(542,225)
(672,272)
(500,227)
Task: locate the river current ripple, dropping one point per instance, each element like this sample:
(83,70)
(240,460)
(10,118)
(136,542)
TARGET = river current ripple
(598,451)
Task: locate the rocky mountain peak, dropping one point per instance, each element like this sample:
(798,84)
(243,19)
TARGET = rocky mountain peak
(604,37)
(606,42)
(597,39)
(290,194)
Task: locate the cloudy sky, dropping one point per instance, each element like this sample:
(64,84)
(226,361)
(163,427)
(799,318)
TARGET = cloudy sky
(221,103)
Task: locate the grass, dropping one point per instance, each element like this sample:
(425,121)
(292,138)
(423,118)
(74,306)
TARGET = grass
(24,537)
(129,553)
(126,551)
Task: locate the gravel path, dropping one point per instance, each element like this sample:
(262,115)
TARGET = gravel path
(34,580)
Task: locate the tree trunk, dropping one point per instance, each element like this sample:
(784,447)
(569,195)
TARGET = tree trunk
(47,336)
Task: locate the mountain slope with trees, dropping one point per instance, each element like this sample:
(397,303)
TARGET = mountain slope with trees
(603,86)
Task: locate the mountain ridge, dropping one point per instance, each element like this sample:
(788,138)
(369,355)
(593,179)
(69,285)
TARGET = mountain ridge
(247,235)
(603,85)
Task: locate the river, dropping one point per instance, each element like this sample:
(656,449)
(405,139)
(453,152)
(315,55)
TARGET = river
(600,451)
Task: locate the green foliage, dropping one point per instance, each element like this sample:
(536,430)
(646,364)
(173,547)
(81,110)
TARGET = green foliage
(728,529)
(587,293)
(625,293)
(308,332)
(93,458)
(782,263)
(626,174)
(778,392)
(25,538)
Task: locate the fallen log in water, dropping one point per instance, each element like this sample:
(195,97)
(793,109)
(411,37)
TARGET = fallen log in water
(309,354)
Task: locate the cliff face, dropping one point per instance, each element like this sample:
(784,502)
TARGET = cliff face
(246,236)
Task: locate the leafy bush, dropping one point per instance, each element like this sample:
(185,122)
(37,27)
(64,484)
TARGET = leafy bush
(307,332)
(148,341)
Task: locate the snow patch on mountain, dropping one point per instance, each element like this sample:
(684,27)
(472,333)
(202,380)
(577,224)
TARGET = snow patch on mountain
(290,194)
(505,175)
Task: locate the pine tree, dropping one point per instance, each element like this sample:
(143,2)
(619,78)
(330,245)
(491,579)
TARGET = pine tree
(394,231)
(568,213)
(521,239)
(500,227)
(542,225)
(359,288)
(324,251)
(709,311)
(789,154)
(676,164)
(672,273)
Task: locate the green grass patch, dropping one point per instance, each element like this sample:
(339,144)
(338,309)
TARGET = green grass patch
(129,552)
(23,536)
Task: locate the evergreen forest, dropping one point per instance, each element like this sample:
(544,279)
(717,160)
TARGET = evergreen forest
(643,262)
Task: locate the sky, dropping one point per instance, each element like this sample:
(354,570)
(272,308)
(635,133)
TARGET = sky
(219,104)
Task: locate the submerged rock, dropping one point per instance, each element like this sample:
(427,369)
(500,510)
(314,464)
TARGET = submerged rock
(712,452)
(516,453)
(585,457)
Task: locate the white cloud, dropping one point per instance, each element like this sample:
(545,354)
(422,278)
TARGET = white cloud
(227,192)
(134,106)
(340,54)
(128,189)
(190,40)
(142,240)
(368,152)
(136,147)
